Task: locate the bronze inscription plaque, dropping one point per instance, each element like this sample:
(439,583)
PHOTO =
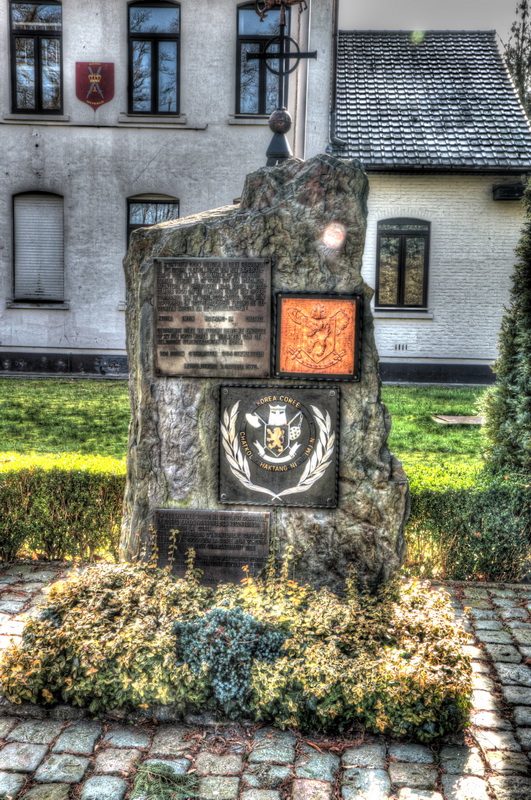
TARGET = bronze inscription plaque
(318,336)
(212,317)
(279,445)
(224,542)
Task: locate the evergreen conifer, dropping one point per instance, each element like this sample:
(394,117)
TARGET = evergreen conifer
(508,403)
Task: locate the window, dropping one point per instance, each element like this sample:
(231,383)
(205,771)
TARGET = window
(154,58)
(257,87)
(402,263)
(36,57)
(150,209)
(39,263)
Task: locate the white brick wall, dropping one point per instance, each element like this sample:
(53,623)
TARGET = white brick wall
(471,260)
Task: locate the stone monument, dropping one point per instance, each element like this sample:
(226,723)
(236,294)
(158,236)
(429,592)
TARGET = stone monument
(256,412)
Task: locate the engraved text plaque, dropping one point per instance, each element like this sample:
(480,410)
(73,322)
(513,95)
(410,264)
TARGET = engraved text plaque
(224,542)
(212,317)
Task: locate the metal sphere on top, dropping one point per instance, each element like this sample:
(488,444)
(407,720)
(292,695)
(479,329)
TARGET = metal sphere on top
(280,121)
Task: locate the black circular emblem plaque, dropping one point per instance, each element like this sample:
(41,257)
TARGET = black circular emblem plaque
(278,445)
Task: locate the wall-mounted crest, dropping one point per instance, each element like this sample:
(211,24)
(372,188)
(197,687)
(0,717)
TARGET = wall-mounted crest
(94,82)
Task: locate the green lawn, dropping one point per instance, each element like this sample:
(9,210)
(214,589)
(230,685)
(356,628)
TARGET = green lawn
(62,416)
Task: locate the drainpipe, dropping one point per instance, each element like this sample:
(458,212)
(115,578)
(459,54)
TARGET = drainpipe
(335,140)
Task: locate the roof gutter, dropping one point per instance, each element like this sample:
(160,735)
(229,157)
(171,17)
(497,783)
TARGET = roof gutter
(333,89)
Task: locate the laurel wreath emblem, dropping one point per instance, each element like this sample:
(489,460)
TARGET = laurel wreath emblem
(315,467)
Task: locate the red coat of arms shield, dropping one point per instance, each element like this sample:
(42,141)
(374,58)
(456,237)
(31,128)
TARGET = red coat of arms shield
(94,82)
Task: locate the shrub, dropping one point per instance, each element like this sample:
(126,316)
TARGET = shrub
(474,524)
(119,636)
(66,507)
(508,403)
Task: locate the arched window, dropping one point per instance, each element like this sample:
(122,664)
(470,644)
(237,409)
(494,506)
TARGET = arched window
(402,263)
(154,33)
(39,260)
(36,57)
(256,87)
(149,209)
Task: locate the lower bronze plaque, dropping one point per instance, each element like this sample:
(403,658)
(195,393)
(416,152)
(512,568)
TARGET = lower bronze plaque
(224,542)
(279,445)
(318,336)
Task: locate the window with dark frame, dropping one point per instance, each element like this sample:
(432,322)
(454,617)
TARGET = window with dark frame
(36,30)
(154,57)
(38,247)
(256,86)
(402,263)
(145,210)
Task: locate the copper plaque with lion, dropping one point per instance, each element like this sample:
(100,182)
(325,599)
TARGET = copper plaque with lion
(318,336)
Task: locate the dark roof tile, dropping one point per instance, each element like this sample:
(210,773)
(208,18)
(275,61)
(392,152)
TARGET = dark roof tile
(446,101)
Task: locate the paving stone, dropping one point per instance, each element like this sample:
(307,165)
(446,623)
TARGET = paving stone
(511,788)
(473,652)
(503,652)
(315,765)
(496,740)
(502,592)
(169,740)
(6,724)
(7,580)
(479,666)
(483,682)
(482,594)
(11,783)
(418,794)
(488,625)
(218,788)
(79,738)
(522,636)
(417,753)
(270,746)
(179,766)
(415,776)
(524,734)
(12,606)
(366,784)
(525,651)
(35,732)
(266,776)
(44,575)
(18,757)
(464,788)
(311,790)
(365,755)
(496,637)
(50,791)
(7,641)
(517,674)
(462,761)
(112,759)
(62,768)
(513,613)
(503,602)
(67,713)
(126,737)
(488,719)
(513,763)
(260,794)
(522,715)
(519,695)
(211,764)
(473,602)
(484,701)
(480,613)
(103,787)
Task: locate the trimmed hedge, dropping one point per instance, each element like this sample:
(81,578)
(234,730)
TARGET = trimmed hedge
(60,507)
(469,524)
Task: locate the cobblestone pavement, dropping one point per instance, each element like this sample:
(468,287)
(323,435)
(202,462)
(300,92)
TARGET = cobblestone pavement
(61,753)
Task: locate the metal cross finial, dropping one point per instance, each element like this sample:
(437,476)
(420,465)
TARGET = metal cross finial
(280,120)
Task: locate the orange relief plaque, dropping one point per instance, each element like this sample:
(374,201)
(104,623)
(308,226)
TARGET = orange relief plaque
(318,336)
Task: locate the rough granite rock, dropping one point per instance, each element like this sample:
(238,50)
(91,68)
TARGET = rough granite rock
(172,455)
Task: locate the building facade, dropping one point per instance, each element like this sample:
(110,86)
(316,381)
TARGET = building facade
(436,122)
(114,115)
